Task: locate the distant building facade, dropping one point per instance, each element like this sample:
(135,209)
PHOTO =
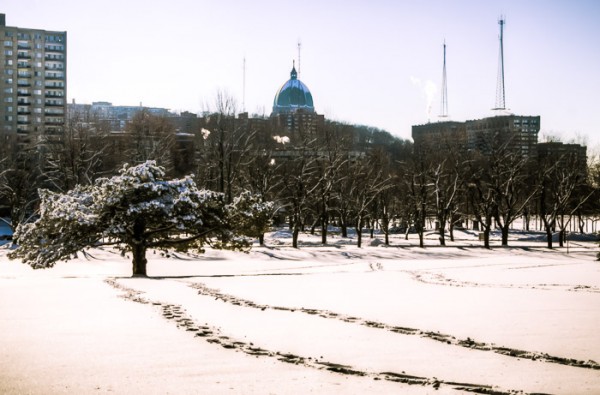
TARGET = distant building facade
(440,136)
(564,155)
(114,117)
(518,133)
(33,93)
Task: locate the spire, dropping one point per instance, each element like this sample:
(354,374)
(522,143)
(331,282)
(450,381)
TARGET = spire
(294,74)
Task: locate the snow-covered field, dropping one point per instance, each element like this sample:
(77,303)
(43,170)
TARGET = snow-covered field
(323,319)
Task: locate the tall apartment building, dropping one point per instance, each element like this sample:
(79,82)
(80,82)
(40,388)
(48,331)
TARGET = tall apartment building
(33,91)
(519,133)
(439,136)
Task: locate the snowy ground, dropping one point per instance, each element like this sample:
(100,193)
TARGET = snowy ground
(321,319)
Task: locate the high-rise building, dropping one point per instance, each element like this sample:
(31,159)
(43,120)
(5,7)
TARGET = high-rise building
(518,133)
(33,92)
(439,137)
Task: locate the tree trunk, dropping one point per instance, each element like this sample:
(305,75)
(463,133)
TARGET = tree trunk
(138,248)
(359,232)
(486,236)
(504,235)
(561,238)
(139,260)
(442,231)
(261,239)
(295,233)
(549,236)
(324,224)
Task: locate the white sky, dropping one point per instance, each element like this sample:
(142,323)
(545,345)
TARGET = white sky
(368,62)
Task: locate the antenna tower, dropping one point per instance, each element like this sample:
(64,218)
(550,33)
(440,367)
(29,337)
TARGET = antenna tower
(500,93)
(444,112)
(299,48)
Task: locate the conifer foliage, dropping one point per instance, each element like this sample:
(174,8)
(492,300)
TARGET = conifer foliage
(135,211)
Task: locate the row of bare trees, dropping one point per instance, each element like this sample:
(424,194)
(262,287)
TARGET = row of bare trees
(350,176)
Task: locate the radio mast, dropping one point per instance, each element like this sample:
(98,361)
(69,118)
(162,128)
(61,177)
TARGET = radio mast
(500,93)
(444,112)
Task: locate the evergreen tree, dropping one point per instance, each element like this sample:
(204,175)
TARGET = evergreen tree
(135,211)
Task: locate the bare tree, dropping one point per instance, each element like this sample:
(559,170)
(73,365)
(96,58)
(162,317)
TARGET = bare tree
(560,179)
(332,155)
(78,158)
(19,181)
(227,146)
(482,196)
(150,137)
(445,179)
(510,173)
(370,180)
(298,178)
(414,178)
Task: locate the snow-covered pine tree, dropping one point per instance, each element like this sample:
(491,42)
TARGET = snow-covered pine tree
(134,211)
(252,215)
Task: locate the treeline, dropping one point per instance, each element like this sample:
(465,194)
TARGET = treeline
(351,176)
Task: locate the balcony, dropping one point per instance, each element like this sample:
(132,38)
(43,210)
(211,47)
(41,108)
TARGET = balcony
(54,57)
(24,112)
(54,48)
(22,55)
(54,77)
(54,94)
(54,67)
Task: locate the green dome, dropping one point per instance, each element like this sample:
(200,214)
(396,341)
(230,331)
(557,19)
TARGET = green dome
(293,96)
